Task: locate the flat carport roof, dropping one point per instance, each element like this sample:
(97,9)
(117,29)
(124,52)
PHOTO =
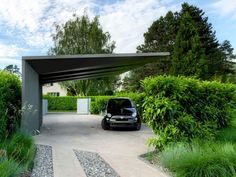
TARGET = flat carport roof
(38,70)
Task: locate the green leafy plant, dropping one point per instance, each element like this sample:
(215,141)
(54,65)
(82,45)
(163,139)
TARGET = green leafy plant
(10,103)
(181,109)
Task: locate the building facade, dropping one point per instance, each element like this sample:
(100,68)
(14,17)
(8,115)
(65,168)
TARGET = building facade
(54,89)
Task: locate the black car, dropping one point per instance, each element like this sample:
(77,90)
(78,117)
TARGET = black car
(121,112)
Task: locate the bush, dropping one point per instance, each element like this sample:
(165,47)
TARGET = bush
(67,103)
(182,109)
(137,98)
(10,103)
(228,134)
(98,104)
(200,160)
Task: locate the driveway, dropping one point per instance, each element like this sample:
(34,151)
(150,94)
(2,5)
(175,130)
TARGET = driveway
(120,149)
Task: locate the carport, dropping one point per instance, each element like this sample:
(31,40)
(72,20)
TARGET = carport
(39,70)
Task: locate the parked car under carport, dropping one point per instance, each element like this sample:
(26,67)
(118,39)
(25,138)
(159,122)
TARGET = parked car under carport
(121,112)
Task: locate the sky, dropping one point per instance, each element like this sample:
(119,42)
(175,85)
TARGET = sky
(26,26)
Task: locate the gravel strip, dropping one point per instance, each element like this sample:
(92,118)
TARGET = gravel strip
(94,165)
(43,164)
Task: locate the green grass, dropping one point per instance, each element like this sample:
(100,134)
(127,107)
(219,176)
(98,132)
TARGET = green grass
(20,152)
(200,159)
(10,168)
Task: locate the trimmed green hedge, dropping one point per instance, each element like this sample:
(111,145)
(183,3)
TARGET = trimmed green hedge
(182,109)
(67,103)
(10,103)
(98,103)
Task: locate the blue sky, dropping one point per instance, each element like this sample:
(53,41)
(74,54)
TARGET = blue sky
(26,26)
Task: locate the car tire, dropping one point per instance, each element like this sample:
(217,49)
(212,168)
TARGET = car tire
(138,126)
(105,126)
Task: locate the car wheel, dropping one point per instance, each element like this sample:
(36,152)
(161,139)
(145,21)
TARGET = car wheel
(105,126)
(138,126)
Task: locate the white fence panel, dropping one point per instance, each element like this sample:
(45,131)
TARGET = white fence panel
(83,106)
(45,107)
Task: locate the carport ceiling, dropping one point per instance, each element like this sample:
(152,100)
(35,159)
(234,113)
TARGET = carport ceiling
(60,68)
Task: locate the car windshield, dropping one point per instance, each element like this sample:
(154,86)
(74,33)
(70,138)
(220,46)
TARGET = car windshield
(119,104)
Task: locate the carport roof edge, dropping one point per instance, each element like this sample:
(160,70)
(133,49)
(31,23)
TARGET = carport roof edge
(69,67)
(113,55)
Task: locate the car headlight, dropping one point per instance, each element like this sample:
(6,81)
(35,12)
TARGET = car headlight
(109,115)
(134,114)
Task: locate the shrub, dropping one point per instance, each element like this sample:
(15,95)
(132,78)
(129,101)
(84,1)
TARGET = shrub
(228,134)
(138,99)
(67,103)
(99,104)
(10,103)
(182,109)
(200,160)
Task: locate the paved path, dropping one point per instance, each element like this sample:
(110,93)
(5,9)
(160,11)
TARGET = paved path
(120,149)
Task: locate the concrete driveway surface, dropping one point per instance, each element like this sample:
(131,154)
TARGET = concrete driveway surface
(119,148)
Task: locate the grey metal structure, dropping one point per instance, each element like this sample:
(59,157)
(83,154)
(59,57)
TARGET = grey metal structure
(39,70)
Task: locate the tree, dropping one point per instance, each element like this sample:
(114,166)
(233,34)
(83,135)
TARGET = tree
(13,69)
(82,36)
(188,56)
(161,36)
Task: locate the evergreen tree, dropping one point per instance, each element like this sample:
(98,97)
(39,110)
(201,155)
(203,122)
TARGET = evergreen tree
(188,56)
(161,36)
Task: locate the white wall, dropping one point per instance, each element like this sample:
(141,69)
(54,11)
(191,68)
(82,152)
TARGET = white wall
(55,88)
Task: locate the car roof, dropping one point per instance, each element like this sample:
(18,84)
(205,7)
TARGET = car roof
(120,98)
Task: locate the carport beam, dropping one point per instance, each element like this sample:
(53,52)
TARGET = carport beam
(31,99)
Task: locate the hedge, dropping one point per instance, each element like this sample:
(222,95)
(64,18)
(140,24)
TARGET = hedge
(98,103)
(10,103)
(182,109)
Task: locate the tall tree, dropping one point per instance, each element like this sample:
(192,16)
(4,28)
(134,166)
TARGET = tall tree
(13,69)
(81,35)
(154,41)
(188,56)
(161,36)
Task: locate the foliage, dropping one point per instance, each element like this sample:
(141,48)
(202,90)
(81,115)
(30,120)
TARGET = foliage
(67,103)
(21,148)
(10,168)
(10,103)
(200,159)
(228,134)
(13,69)
(98,86)
(182,109)
(188,55)
(161,36)
(82,36)
(19,156)
(98,103)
